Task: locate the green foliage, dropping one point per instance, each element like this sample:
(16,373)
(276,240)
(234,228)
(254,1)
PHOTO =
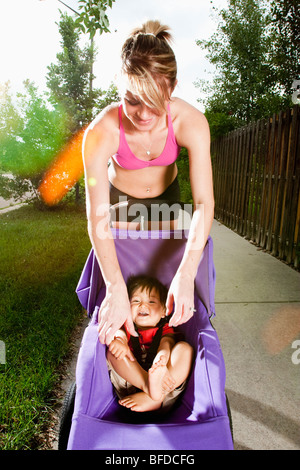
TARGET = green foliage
(93,16)
(37,134)
(284,25)
(9,116)
(184,177)
(246,86)
(34,126)
(70,79)
(220,123)
(106,97)
(32,132)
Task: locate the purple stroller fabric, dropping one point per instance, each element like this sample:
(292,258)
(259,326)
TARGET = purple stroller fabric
(199,420)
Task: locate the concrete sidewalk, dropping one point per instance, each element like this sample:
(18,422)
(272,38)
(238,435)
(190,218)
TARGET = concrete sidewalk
(258,324)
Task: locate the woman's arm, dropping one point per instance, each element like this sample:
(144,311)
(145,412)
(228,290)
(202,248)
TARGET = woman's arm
(98,146)
(194,134)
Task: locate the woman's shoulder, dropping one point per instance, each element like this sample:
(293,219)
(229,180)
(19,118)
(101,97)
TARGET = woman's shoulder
(181,109)
(107,119)
(187,120)
(103,132)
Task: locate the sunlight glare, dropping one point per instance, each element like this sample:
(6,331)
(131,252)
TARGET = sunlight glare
(65,171)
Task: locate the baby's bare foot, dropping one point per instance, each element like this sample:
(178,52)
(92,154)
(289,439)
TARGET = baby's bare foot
(160,380)
(140,402)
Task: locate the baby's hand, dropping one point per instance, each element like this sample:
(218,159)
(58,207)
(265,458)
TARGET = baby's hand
(120,349)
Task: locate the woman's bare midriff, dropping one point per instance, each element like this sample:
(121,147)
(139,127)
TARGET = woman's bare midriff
(144,183)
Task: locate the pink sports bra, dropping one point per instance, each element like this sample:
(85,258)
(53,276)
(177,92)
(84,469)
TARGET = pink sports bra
(126,159)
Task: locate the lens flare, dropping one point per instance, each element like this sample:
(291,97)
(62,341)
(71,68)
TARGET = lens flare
(92,181)
(281,329)
(65,171)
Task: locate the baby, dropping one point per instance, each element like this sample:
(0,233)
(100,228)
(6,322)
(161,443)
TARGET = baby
(150,371)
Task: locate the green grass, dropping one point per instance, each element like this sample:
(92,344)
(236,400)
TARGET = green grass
(42,254)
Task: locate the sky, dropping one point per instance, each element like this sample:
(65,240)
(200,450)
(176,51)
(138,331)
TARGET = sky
(29,39)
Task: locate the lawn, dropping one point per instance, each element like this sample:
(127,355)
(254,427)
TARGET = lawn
(42,254)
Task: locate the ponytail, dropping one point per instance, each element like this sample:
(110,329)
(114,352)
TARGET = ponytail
(149,63)
(156,29)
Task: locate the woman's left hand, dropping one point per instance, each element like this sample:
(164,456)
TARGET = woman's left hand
(181,293)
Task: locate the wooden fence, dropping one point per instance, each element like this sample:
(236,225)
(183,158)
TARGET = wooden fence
(256,183)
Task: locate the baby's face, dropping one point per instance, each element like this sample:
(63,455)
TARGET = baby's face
(146,308)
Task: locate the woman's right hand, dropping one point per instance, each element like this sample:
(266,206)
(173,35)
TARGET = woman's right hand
(114,312)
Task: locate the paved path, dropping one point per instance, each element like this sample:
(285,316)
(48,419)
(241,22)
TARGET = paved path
(258,321)
(7,205)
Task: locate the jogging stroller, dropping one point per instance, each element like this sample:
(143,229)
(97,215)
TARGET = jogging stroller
(200,418)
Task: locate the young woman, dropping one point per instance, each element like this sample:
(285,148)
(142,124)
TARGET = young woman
(142,137)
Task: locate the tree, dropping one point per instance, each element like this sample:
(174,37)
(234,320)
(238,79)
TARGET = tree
(107,97)
(9,116)
(69,79)
(70,83)
(32,132)
(284,25)
(245,87)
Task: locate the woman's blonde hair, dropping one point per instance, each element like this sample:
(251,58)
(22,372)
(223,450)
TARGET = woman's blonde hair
(149,64)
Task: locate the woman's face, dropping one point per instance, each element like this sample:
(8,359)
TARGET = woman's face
(141,116)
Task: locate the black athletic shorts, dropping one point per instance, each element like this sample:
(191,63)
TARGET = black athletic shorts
(166,206)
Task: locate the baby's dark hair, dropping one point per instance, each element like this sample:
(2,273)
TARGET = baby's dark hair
(148,283)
